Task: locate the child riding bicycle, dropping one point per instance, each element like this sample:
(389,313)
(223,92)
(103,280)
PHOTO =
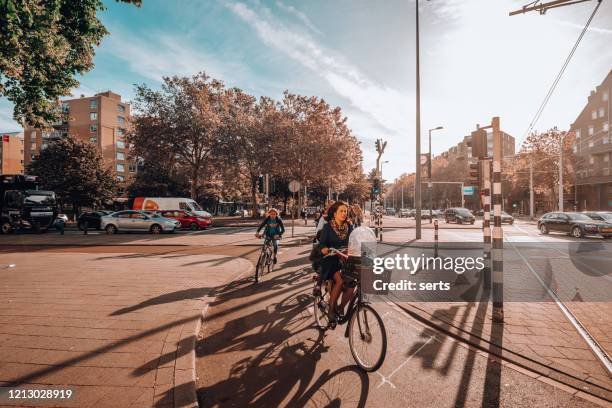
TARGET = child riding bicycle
(273,229)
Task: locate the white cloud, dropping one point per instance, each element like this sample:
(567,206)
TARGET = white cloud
(579,27)
(300,15)
(160,54)
(385,105)
(7,124)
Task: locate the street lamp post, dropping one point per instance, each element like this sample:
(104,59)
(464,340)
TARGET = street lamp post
(417,184)
(430,185)
(382,185)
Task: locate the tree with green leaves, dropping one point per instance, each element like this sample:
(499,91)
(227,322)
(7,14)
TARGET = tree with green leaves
(76,171)
(44,44)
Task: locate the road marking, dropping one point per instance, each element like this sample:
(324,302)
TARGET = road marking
(387,380)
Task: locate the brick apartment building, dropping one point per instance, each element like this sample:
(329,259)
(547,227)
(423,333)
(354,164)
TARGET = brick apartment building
(593,144)
(100,119)
(11,153)
(461,151)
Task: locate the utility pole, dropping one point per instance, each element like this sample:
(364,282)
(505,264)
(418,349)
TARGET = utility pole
(498,235)
(380,149)
(417,184)
(486,222)
(531,197)
(402,195)
(561,172)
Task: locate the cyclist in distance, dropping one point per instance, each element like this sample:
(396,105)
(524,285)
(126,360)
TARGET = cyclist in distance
(272,225)
(335,234)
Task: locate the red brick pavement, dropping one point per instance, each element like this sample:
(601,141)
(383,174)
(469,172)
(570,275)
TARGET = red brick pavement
(119,329)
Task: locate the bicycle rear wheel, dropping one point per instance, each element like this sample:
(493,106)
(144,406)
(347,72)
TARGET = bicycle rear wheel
(367,338)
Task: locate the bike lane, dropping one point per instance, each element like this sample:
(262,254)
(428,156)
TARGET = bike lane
(259,347)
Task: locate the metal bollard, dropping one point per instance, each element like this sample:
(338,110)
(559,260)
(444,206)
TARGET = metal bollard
(85,227)
(435,238)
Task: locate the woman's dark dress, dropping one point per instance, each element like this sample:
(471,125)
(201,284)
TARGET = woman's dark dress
(329,239)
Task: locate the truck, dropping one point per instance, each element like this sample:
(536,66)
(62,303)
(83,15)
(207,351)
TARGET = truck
(167,204)
(24,206)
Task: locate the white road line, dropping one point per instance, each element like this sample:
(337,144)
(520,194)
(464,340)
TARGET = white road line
(387,379)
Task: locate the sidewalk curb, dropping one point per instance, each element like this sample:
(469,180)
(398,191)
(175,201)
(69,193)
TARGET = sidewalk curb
(185,369)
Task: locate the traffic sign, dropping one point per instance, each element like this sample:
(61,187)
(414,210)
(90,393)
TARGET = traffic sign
(423,159)
(294,186)
(469,190)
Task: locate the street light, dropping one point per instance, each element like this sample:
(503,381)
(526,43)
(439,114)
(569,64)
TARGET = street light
(429,185)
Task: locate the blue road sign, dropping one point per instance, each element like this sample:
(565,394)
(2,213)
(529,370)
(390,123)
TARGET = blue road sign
(469,190)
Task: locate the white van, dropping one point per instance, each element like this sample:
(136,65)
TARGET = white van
(169,203)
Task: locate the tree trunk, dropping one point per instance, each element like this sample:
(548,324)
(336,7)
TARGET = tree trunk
(255,208)
(194,183)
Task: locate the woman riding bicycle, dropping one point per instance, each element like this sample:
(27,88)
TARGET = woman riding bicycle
(273,229)
(335,234)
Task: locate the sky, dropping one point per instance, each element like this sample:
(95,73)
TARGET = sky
(476,61)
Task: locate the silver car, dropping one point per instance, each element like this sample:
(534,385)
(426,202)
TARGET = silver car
(130,220)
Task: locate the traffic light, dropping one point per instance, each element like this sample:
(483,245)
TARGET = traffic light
(376,186)
(478,144)
(475,175)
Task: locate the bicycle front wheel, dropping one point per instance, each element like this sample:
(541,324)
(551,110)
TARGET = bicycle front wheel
(321,310)
(259,268)
(367,338)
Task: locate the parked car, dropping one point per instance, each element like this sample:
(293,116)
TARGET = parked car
(459,215)
(404,213)
(390,211)
(91,219)
(576,224)
(188,219)
(131,220)
(605,216)
(505,217)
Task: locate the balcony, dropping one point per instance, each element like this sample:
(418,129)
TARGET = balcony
(597,176)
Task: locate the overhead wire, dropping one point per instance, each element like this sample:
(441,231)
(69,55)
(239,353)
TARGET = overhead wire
(561,72)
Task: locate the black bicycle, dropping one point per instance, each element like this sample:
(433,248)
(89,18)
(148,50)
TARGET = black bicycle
(266,257)
(366,330)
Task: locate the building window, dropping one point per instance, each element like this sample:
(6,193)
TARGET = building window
(591,143)
(606,171)
(591,159)
(93,139)
(577,133)
(593,114)
(132,168)
(120,108)
(591,130)
(44,146)
(93,104)
(93,128)
(605,140)
(120,132)
(120,168)
(120,144)
(120,191)
(93,116)
(120,156)
(606,157)
(575,148)
(120,178)
(601,112)
(605,96)
(65,107)
(120,120)
(606,126)
(33,146)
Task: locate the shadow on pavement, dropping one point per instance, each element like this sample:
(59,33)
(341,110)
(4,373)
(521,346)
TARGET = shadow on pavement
(282,371)
(193,293)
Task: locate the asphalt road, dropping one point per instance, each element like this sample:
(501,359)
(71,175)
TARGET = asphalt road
(258,345)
